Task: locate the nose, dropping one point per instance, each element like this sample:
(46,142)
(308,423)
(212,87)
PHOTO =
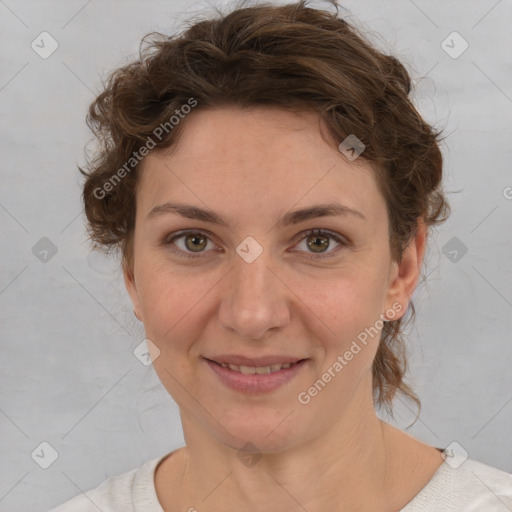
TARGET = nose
(254,299)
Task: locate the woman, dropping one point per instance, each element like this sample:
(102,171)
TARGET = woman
(271,188)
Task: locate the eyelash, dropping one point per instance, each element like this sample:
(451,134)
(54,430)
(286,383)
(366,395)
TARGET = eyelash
(312,232)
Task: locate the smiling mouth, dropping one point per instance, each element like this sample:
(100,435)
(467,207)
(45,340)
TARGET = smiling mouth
(260,370)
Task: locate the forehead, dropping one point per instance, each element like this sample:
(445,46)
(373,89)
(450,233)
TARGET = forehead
(255,132)
(260,157)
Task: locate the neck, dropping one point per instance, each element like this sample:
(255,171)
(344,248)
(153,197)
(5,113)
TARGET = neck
(346,468)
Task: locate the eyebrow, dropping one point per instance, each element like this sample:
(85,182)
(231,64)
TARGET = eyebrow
(290,218)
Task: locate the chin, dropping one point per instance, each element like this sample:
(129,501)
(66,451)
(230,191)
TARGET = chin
(257,443)
(262,435)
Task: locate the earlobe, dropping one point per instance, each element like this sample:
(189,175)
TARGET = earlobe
(407,272)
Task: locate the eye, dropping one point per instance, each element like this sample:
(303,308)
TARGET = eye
(317,241)
(192,244)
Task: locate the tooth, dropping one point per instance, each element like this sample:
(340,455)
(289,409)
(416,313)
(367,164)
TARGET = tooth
(263,369)
(260,370)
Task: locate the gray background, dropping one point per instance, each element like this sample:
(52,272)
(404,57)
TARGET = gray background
(69,376)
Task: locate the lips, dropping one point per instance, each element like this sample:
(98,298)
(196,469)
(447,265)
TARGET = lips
(261,375)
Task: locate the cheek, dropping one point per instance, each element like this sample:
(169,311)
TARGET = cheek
(344,322)
(344,301)
(170,304)
(173,315)
(347,331)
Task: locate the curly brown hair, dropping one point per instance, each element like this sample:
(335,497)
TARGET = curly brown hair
(293,57)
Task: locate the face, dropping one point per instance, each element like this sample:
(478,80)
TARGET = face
(261,277)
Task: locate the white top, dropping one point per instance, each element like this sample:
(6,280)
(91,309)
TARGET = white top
(470,487)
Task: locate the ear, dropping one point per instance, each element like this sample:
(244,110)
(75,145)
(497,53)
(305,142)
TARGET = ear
(405,275)
(131,288)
